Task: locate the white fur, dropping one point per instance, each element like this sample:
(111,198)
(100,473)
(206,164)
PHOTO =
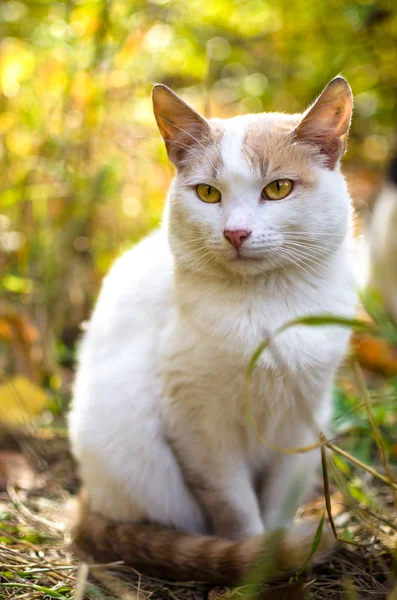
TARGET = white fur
(168,344)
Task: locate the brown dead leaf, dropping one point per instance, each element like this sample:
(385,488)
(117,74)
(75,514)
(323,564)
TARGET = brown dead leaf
(16,471)
(217,592)
(375,354)
(23,339)
(317,506)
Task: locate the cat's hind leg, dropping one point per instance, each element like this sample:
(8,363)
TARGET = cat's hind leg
(134,476)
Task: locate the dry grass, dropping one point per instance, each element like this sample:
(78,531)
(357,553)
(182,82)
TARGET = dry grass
(36,563)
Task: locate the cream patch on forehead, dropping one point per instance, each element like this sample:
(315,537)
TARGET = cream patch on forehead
(269,147)
(262,145)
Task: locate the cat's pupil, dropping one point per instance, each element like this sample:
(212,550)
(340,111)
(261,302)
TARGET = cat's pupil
(278,186)
(209,189)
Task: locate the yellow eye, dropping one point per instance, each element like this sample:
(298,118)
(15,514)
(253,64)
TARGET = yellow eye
(277,190)
(207,193)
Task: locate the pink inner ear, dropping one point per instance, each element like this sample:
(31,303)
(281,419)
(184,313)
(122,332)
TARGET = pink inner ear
(181,127)
(327,123)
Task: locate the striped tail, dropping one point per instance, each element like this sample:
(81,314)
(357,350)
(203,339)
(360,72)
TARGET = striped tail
(172,554)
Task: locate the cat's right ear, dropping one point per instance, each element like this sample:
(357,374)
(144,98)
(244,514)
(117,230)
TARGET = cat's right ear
(180,125)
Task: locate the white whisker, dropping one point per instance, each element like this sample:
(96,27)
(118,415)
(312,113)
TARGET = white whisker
(312,241)
(292,258)
(301,250)
(316,234)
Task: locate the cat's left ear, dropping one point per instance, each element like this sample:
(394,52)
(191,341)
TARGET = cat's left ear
(326,124)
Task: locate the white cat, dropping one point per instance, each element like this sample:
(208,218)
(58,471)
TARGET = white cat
(256,232)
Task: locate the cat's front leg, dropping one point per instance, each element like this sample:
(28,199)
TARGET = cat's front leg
(223,486)
(290,478)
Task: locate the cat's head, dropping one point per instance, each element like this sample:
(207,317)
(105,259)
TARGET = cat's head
(257,192)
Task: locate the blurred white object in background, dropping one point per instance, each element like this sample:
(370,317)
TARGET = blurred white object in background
(382,244)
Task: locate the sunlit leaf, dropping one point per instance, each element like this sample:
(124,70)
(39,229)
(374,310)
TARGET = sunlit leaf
(21,400)
(14,283)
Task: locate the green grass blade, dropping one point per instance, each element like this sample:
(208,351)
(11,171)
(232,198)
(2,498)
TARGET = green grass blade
(310,321)
(315,545)
(36,588)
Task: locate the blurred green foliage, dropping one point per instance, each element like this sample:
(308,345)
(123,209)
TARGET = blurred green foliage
(83,172)
(350,418)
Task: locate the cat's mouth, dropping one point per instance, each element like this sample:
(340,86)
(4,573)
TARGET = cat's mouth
(244,262)
(246,257)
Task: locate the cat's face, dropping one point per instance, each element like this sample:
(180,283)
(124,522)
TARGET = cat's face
(258,192)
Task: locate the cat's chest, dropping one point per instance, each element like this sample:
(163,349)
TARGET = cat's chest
(204,382)
(210,339)
(208,351)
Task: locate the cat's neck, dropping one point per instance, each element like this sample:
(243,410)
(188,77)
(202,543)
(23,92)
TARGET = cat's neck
(236,311)
(240,309)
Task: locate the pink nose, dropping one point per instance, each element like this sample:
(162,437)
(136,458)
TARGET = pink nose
(236,237)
